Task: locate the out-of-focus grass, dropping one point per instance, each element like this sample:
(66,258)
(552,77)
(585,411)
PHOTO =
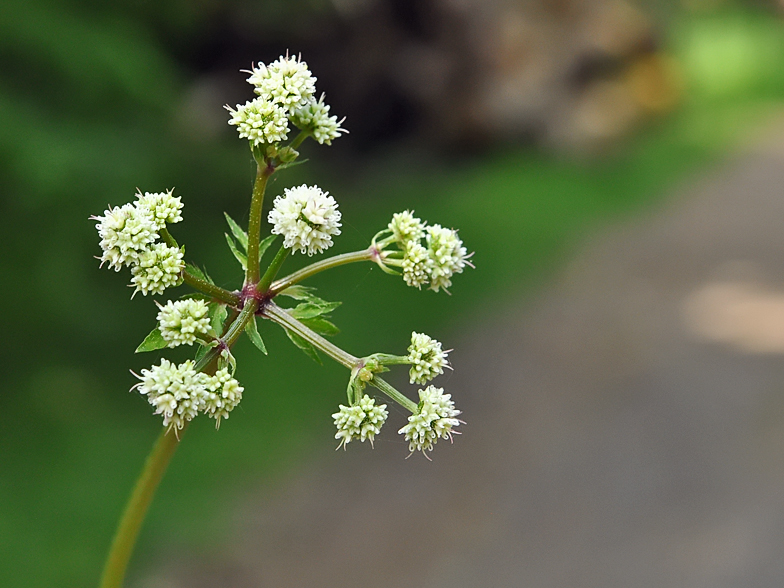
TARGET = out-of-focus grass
(73,440)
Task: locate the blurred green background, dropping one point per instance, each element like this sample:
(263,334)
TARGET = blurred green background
(92,98)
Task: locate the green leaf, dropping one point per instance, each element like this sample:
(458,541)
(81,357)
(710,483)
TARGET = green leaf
(298,292)
(290,164)
(308,310)
(239,234)
(241,257)
(152,342)
(253,334)
(306,347)
(264,245)
(217,314)
(199,273)
(321,325)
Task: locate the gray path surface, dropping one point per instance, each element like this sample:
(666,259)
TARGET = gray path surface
(610,442)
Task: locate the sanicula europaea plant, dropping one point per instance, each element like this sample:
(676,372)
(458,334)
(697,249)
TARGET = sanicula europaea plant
(137,236)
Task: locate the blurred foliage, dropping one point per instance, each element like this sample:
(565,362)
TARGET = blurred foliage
(89,101)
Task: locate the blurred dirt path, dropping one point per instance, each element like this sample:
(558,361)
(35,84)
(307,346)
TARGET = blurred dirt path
(625,430)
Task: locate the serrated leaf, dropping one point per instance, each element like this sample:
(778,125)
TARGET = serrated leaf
(253,334)
(265,243)
(298,292)
(321,325)
(217,314)
(306,347)
(239,234)
(199,273)
(241,257)
(308,310)
(152,342)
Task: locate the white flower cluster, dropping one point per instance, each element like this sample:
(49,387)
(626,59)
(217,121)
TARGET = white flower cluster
(285,92)
(128,237)
(426,357)
(434,420)
(181,321)
(434,264)
(306,217)
(260,121)
(363,421)
(179,392)
(314,118)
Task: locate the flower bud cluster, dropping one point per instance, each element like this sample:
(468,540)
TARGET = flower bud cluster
(129,236)
(181,322)
(426,357)
(363,421)
(306,217)
(179,392)
(434,420)
(285,93)
(432,264)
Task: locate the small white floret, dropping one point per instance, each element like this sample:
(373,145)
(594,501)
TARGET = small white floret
(157,268)
(223,394)
(406,227)
(434,420)
(126,231)
(175,391)
(447,254)
(417,265)
(163,207)
(314,118)
(306,217)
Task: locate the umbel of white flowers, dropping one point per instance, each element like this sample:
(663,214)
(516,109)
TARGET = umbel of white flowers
(136,236)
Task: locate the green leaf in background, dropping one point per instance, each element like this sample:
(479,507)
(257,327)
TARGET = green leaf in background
(306,347)
(152,342)
(241,257)
(199,273)
(312,309)
(321,325)
(264,245)
(217,314)
(299,292)
(239,234)
(253,334)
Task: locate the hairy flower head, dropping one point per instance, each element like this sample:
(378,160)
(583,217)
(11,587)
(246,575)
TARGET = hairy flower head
(417,265)
(260,121)
(314,118)
(286,81)
(181,321)
(434,420)
(363,421)
(176,391)
(157,268)
(427,358)
(163,207)
(223,394)
(447,254)
(125,232)
(406,227)
(306,217)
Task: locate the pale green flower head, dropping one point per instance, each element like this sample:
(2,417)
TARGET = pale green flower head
(363,421)
(163,207)
(260,121)
(434,420)
(126,231)
(406,227)
(286,81)
(223,394)
(306,217)
(157,268)
(447,254)
(175,391)
(417,265)
(314,118)
(181,322)
(427,358)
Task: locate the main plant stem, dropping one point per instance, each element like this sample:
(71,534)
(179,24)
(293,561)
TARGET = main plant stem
(135,511)
(263,172)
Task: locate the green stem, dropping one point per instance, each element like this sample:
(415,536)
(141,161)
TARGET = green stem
(387,389)
(272,270)
(230,337)
(299,139)
(325,264)
(263,172)
(278,315)
(133,517)
(210,289)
